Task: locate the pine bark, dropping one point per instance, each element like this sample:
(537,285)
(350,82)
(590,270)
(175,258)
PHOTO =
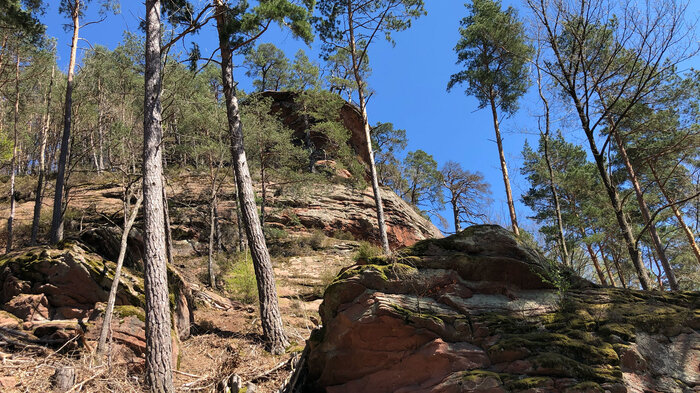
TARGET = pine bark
(158,337)
(56,232)
(270,316)
(676,212)
(13,165)
(504,168)
(42,162)
(365,122)
(655,239)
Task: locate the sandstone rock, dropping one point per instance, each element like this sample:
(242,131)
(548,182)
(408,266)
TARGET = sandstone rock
(478,312)
(62,292)
(8,320)
(8,382)
(336,207)
(29,307)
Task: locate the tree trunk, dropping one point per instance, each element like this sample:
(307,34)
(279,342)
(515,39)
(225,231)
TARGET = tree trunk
(455,212)
(104,331)
(552,186)
(365,122)
(56,232)
(239,219)
(42,162)
(504,169)
(676,212)
(168,229)
(270,316)
(615,201)
(158,328)
(263,193)
(13,166)
(212,228)
(656,241)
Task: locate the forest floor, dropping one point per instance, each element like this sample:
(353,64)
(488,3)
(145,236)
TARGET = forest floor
(224,341)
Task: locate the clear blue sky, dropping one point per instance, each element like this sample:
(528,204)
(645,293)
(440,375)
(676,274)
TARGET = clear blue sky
(409,81)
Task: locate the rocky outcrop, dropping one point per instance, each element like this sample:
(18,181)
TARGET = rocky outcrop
(284,105)
(481,312)
(335,208)
(51,295)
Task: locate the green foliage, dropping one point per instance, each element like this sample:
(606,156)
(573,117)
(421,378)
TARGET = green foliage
(493,49)
(20,16)
(366,252)
(423,180)
(238,275)
(387,143)
(305,73)
(244,24)
(326,137)
(269,65)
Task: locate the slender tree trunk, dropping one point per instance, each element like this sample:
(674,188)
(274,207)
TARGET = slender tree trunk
(212,226)
(56,232)
(239,219)
(270,316)
(100,129)
(263,193)
(13,166)
(655,239)
(168,229)
(615,202)
(676,212)
(104,331)
(455,212)
(42,161)
(552,186)
(658,268)
(504,169)
(365,122)
(158,328)
(608,270)
(598,270)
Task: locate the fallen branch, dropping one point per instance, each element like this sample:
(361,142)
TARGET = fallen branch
(272,370)
(80,385)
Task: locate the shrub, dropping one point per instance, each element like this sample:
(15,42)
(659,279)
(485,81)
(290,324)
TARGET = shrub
(316,240)
(342,235)
(367,251)
(239,278)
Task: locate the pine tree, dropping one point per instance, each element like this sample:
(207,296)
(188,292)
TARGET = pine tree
(494,51)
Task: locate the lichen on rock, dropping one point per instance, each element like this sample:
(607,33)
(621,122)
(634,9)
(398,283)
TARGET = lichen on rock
(478,311)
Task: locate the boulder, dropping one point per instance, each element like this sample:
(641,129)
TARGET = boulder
(60,292)
(29,307)
(480,311)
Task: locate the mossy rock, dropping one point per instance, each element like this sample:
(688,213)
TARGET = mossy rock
(130,311)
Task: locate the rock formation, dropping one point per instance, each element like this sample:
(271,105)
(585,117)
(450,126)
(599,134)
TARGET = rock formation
(481,312)
(55,295)
(334,208)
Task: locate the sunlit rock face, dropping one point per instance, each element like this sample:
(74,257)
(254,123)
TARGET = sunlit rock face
(481,312)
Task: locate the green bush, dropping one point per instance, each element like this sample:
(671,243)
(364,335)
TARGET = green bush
(316,240)
(367,251)
(238,276)
(342,235)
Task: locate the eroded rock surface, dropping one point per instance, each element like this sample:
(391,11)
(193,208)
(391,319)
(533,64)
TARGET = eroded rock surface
(478,312)
(51,295)
(336,207)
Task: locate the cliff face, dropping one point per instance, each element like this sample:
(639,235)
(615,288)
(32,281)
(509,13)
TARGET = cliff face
(334,208)
(481,312)
(285,106)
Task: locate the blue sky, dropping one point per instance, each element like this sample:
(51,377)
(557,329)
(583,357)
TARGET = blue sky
(409,82)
